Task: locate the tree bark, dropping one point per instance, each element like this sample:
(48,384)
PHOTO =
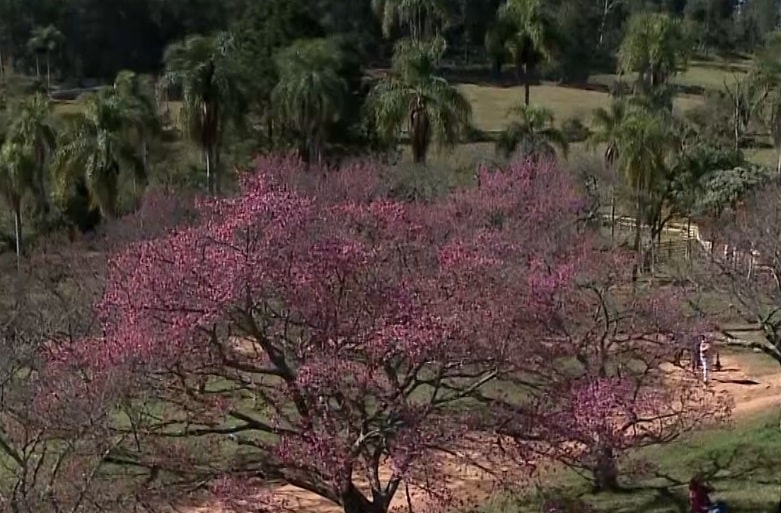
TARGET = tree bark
(353,501)
(526,87)
(606,471)
(18,234)
(208,158)
(48,73)
(37,67)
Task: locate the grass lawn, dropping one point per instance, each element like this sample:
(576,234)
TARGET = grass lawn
(700,73)
(741,463)
(490,105)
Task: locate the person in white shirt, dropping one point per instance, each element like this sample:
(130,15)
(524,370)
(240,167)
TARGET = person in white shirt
(704,353)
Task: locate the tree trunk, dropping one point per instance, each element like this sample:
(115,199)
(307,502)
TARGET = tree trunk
(353,501)
(37,68)
(216,175)
(636,246)
(496,68)
(145,159)
(48,73)
(613,214)
(606,471)
(778,162)
(18,234)
(523,79)
(603,23)
(526,86)
(209,178)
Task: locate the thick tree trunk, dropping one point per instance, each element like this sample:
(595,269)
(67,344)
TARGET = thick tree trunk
(606,471)
(353,501)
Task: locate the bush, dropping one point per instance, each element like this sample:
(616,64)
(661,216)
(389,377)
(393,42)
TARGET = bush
(574,130)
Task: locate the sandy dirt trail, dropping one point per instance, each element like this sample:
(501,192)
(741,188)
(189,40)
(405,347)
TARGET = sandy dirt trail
(752,394)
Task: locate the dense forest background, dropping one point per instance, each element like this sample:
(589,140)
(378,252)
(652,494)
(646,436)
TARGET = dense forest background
(140,30)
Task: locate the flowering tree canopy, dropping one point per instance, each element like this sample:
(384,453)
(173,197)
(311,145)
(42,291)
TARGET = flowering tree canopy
(324,336)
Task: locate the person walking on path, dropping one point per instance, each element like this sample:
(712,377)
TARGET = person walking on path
(704,354)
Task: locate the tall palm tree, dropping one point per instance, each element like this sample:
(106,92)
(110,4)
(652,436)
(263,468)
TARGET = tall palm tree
(17,178)
(212,84)
(413,95)
(310,93)
(532,38)
(139,105)
(95,149)
(32,125)
(606,129)
(535,132)
(644,145)
(45,40)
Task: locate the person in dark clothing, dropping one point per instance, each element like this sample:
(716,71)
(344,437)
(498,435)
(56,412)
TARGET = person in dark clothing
(699,497)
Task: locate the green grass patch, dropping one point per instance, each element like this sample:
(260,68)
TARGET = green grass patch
(490,105)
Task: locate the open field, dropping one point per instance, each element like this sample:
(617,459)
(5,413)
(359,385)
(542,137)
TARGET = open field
(491,104)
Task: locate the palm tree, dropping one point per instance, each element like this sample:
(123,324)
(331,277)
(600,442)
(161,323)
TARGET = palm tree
(532,37)
(606,128)
(32,126)
(644,144)
(212,83)
(139,105)
(95,149)
(310,93)
(535,132)
(412,94)
(45,40)
(17,177)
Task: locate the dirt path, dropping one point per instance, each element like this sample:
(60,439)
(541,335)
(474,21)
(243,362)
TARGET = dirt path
(753,393)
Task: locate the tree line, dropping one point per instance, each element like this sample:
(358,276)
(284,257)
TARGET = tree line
(89,38)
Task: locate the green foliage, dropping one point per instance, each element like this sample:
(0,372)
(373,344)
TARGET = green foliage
(697,171)
(575,130)
(95,149)
(215,92)
(727,187)
(655,47)
(413,82)
(310,94)
(533,135)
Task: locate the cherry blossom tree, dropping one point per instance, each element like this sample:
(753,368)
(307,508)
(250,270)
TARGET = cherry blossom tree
(312,332)
(327,338)
(617,385)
